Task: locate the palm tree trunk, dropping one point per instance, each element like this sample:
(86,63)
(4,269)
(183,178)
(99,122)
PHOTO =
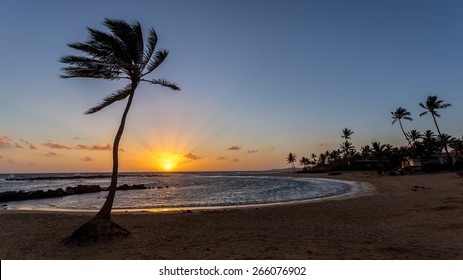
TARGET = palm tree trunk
(403,131)
(101,226)
(105,211)
(449,158)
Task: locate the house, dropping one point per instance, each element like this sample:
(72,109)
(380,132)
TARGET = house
(411,163)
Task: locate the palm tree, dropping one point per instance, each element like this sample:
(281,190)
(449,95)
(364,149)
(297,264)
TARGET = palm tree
(304,161)
(399,114)
(414,135)
(119,54)
(457,145)
(432,105)
(347,146)
(365,151)
(378,152)
(291,159)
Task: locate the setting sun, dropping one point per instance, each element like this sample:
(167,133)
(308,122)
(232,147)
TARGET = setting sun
(168,161)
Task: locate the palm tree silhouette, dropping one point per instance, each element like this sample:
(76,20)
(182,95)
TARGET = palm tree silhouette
(399,114)
(378,152)
(119,54)
(291,159)
(432,105)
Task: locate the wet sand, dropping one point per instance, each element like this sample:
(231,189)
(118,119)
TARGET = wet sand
(400,217)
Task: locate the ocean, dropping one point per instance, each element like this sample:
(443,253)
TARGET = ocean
(171,190)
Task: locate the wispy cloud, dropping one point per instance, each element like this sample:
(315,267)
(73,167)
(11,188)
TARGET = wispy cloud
(8,143)
(31,146)
(51,154)
(105,147)
(324,145)
(192,156)
(234,160)
(56,146)
(5,142)
(221,158)
(86,159)
(252,151)
(234,148)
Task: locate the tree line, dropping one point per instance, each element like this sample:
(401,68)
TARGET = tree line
(424,146)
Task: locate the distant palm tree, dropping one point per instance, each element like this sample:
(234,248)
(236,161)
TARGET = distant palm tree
(430,145)
(378,152)
(414,135)
(120,54)
(457,145)
(291,159)
(432,105)
(322,159)
(399,114)
(313,156)
(346,133)
(304,161)
(365,151)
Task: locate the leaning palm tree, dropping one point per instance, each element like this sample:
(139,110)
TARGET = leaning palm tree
(399,114)
(432,105)
(120,54)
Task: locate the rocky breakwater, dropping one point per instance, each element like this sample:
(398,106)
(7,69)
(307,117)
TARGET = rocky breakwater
(80,189)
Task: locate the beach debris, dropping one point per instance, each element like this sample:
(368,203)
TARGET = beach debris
(417,188)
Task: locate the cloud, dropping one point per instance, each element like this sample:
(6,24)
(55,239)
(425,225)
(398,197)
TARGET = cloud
(29,145)
(191,156)
(234,148)
(5,142)
(251,151)
(269,149)
(220,158)
(56,146)
(235,160)
(86,159)
(324,145)
(51,154)
(1,157)
(105,147)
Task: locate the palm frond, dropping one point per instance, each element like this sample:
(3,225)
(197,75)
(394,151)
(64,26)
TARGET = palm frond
(150,47)
(129,36)
(108,100)
(164,83)
(85,67)
(157,60)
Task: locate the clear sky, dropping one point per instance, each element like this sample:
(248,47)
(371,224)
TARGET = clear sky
(259,79)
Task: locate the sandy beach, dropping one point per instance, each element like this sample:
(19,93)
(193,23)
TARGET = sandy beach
(399,217)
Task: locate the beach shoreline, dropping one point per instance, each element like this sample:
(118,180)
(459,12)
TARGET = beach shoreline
(399,217)
(357,189)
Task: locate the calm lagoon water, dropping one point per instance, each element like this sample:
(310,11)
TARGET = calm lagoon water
(173,190)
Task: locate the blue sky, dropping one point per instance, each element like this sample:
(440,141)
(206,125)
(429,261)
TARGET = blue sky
(270,77)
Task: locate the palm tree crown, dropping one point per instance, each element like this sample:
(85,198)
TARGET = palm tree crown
(120,54)
(399,115)
(432,105)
